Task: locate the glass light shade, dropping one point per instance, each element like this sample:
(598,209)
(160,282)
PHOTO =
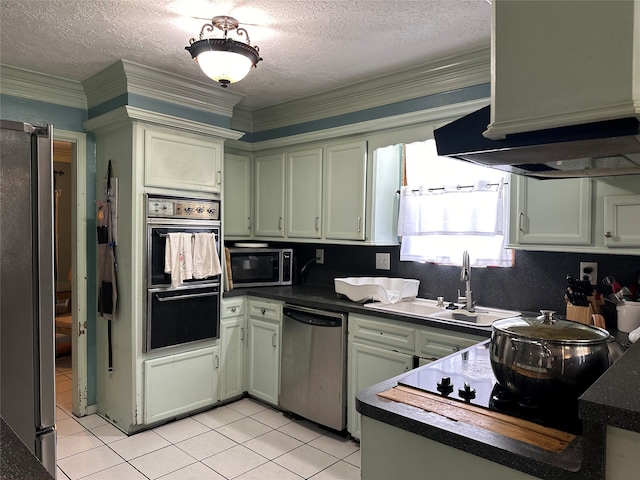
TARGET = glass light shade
(223,65)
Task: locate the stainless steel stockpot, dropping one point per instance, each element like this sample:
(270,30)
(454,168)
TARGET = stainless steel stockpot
(547,358)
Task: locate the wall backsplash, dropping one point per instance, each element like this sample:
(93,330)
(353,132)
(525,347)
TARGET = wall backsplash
(537,281)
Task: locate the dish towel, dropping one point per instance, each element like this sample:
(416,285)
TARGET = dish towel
(178,257)
(206,262)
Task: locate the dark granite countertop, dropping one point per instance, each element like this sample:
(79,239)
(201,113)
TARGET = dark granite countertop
(611,400)
(16,461)
(326,298)
(583,459)
(614,398)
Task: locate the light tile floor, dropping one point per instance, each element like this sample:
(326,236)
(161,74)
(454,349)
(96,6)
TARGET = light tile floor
(244,440)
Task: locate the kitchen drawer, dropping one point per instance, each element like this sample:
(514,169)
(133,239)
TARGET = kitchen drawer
(232,308)
(433,344)
(382,333)
(265,310)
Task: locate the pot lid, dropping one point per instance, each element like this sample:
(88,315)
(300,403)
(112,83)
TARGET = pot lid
(546,327)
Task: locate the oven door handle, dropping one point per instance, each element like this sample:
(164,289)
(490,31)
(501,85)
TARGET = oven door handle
(182,297)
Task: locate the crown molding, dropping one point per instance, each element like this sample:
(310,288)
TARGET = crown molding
(242,119)
(114,119)
(436,77)
(439,115)
(22,83)
(127,77)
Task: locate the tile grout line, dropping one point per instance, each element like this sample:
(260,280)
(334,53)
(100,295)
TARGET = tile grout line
(244,416)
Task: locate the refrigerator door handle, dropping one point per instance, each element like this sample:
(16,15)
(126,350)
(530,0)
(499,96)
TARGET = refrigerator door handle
(46,282)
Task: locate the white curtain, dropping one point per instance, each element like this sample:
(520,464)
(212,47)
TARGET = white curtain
(451,206)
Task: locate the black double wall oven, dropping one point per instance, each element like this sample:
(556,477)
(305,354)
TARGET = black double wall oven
(190,311)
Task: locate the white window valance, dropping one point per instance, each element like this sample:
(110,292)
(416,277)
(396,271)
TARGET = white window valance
(449,206)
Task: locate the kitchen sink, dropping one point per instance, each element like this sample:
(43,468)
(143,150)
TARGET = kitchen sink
(416,306)
(420,307)
(480,316)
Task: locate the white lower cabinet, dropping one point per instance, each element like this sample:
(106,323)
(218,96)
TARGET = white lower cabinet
(181,383)
(233,325)
(263,344)
(370,365)
(380,349)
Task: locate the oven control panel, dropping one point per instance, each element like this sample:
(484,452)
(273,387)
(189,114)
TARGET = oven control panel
(186,208)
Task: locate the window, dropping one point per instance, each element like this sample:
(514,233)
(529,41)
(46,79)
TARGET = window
(448,206)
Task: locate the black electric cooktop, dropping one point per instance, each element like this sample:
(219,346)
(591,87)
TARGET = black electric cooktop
(467,377)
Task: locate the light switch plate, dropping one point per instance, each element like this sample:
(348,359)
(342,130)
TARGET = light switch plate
(383,261)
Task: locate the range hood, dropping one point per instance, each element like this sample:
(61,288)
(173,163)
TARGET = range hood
(565,92)
(607,148)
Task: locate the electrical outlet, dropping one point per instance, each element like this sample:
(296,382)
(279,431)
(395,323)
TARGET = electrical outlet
(320,255)
(591,270)
(383,261)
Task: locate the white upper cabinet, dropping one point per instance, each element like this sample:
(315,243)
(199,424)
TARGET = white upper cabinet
(552,212)
(304,193)
(622,221)
(544,74)
(237,195)
(323,192)
(269,195)
(345,183)
(576,215)
(182,161)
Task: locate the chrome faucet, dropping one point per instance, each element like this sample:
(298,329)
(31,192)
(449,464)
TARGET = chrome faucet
(465,276)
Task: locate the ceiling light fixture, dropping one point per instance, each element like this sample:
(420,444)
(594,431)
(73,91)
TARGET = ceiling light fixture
(224,60)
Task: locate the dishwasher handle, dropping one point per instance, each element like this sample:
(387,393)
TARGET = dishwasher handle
(313,317)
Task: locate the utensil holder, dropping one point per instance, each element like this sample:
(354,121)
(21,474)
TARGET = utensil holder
(583,314)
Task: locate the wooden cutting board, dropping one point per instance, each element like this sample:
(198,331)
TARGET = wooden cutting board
(228,277)
(512,427)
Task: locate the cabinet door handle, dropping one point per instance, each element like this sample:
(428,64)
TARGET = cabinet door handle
(217,362)
(218,177)
(248,223)
(316,223)
(241,334)
(279,223)
(359,224)
(521,220)
(608,235)
(273,340)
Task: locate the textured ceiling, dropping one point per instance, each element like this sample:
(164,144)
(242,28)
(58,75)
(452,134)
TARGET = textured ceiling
(307,46)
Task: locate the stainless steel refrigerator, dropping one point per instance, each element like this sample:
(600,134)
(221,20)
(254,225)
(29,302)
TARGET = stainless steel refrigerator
(27,296)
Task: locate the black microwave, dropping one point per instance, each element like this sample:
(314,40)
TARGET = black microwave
(261,267)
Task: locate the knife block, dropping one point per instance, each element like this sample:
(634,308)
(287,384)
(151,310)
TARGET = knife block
(583,314)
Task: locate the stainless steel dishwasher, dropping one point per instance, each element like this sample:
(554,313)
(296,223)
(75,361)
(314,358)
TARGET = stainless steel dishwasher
(313,376)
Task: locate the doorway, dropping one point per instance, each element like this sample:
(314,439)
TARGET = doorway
(63,273)
(69,160)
